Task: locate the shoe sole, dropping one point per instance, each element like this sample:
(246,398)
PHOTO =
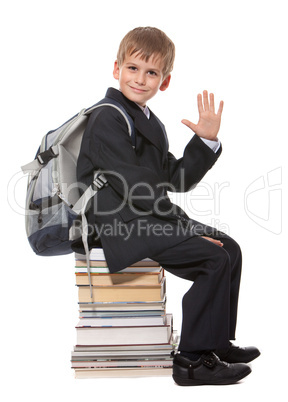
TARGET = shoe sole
(190,381)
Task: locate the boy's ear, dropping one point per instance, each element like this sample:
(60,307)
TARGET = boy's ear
(165,83)
(116,70)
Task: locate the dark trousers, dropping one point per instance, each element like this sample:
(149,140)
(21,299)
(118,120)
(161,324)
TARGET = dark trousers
(209,307)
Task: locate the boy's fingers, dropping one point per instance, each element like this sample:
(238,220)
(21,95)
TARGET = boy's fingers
(199,102)
(189,124)
(205,100)
(221,105)
(212,107)
(215,241)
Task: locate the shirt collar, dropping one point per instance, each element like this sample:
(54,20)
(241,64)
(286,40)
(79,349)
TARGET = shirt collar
(145,110)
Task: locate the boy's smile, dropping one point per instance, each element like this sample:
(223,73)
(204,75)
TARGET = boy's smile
(139,80)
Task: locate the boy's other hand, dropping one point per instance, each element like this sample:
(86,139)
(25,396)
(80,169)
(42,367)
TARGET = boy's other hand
(209,121)
(215,241)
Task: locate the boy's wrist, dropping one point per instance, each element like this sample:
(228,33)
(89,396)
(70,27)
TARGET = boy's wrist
(213,144)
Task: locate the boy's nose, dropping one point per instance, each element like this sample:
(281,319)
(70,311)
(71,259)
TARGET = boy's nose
(140,79)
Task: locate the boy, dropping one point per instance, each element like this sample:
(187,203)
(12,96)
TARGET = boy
(134,218)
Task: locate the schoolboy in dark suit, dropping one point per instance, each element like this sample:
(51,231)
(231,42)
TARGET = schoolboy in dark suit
(134,218)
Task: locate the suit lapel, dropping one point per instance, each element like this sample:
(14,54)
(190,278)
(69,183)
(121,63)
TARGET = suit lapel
(149,128)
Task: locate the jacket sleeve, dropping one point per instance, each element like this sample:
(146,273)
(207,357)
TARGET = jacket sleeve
(186,172)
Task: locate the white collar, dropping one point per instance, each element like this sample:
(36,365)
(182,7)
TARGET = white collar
(145,110)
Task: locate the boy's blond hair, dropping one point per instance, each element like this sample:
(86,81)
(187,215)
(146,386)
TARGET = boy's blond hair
(147,42)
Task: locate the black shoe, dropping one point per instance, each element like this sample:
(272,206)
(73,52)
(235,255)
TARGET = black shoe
(235,354)
(208,370)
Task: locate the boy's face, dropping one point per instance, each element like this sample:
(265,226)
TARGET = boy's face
(139,80)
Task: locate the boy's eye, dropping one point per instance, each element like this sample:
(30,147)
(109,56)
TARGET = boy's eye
(150,72)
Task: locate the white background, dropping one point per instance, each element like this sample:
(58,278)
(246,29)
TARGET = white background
(56,58)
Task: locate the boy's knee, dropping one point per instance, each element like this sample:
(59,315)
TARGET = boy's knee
(233,249)
(221,259)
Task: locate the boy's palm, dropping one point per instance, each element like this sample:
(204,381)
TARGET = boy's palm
(209,122)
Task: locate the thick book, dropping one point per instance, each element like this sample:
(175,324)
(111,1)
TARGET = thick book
(122,293)
(125,335)
(102,266)
(148,278)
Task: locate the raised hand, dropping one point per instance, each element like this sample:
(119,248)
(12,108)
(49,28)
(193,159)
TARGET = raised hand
(209,121)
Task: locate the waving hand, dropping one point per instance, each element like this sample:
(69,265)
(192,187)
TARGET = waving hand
(209,121)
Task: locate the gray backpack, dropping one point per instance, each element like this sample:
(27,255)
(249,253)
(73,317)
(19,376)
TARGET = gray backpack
(53,200)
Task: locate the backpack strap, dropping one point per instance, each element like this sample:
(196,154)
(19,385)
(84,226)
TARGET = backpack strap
(112,103)
(41,160)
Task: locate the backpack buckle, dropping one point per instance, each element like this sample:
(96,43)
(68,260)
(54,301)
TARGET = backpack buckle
(44,157)
(99,181)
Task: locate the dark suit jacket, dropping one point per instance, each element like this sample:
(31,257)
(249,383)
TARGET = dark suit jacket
(133,215)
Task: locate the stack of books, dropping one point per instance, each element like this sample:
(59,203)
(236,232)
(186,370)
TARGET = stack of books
(123,330)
